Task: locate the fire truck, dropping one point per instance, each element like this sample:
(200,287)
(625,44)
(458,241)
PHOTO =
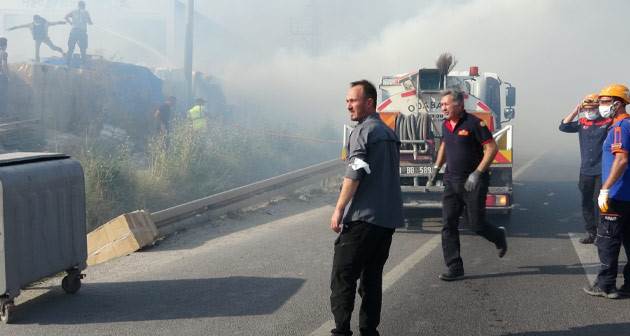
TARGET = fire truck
(411,106)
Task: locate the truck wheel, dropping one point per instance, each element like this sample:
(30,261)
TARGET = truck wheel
(6,310)
(71,283)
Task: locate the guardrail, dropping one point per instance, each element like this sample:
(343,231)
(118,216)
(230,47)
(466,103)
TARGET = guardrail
(221,203)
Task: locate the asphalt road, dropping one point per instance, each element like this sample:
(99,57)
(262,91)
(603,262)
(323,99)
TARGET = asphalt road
(266,272)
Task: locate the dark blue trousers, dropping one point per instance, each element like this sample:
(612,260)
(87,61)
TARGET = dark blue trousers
(613,231)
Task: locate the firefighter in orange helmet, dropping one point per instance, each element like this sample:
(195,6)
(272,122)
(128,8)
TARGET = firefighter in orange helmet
(613,230)
(592,129)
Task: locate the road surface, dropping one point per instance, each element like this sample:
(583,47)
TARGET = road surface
(266,272)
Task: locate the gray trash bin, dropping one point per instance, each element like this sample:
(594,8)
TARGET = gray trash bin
(42,223)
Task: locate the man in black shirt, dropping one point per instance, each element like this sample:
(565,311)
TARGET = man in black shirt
(592,129)
(163,115)
(39,30)
(368,211)
(468,149)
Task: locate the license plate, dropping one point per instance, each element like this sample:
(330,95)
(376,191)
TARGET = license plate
(416,170)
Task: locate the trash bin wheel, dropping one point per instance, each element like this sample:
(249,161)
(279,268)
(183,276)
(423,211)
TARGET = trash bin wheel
(71,283)
(6,310)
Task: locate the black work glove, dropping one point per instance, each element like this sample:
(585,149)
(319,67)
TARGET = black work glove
(433,176)
(473,181)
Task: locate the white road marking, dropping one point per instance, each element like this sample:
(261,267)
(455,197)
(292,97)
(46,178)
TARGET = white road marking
(393,276)
(401,269)
(587,253)
(410,262)
(528,164)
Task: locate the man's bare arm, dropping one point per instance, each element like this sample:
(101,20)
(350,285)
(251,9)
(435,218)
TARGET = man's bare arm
(490,150)
(441,155)
(28,25)
(348,189)
(571,116)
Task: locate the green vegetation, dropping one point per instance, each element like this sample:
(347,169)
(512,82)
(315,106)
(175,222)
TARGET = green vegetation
(186,165)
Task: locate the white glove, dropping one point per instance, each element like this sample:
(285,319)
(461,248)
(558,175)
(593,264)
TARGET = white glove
(602,200)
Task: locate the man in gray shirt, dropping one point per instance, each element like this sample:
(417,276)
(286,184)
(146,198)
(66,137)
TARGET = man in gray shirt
(368,211)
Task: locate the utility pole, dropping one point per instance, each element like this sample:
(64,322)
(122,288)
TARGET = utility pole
(188,57)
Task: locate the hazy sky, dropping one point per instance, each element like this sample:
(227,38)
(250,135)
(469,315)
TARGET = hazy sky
(293,59)
(554,52)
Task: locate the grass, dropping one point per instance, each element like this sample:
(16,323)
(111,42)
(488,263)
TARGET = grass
(185,165)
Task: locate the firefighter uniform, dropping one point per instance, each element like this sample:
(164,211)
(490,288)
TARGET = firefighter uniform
(464,151)
(591,134)
(613,230)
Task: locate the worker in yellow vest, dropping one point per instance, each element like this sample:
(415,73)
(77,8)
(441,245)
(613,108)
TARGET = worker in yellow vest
(197,115)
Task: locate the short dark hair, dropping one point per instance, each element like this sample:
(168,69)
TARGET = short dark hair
(369,90)
(456,95)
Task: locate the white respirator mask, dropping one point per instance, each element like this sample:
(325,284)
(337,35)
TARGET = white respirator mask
(608,111)
(590,114)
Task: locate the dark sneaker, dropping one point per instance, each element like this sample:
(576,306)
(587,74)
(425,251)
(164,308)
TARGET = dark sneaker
(624,290)
(590,239)
(502,243)
(596,291)
(452,276)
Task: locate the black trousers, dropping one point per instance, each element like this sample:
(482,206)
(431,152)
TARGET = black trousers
(612,232)
(455,202)
(361,251)
(589,187)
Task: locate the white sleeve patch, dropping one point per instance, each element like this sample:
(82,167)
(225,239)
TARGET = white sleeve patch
(360,164)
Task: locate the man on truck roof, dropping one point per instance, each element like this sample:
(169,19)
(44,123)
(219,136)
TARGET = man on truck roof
(468,149)
(592,129)
(39,30)
(79,19)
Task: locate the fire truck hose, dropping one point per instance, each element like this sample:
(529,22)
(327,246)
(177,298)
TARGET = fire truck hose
(412,127)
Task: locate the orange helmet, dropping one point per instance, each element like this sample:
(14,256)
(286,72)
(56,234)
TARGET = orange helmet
(590,101)
(616,90)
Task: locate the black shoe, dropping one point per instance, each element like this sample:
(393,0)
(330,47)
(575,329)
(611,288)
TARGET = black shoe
(335,332)
(624,290)
(596,291)
(590,239)
(452,276)
(502,243)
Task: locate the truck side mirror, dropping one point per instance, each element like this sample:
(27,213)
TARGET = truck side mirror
(510,98)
